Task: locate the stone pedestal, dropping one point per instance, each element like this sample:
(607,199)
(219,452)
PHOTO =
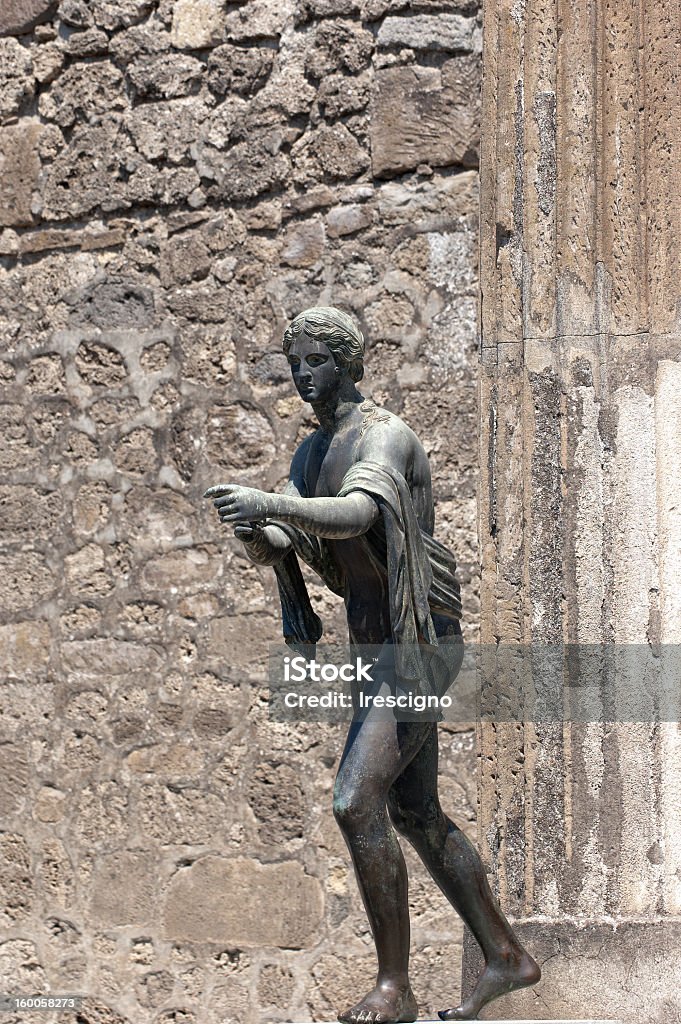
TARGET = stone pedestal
(580,520)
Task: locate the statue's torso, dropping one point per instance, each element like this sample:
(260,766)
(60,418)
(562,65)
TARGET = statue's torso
(369,434)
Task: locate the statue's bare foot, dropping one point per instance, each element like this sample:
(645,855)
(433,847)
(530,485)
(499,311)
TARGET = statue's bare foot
(497,979)
(388,1002)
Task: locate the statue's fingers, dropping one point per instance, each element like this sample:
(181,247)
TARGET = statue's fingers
(217,490)
(229,499)
(244,532)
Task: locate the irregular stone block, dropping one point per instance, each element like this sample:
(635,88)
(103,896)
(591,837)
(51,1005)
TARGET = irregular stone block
(166,130)
(332,151)
(184,258)
(176,760)
(238,435)
(181,816)
(167,76)
(186,568)
(20,967)
(19,170)
(87,44)
(108,304)
(237,640)
(21,513)
(246,170)
(118,657)
(425,115)
(304,244)
(16,885)
(20,16)
(114,14)
(135,452)
(258,19)
(343,94)
(55,873)
(95,1011)
(14,770)
(374,9)
(345,220)
(233,69)
(48,61)
(46,375)
(155,988)
(327,8)
(24,648)
(16,77)
(276,798)
(85,572)
(75,14)
(202,903)
(338,46)
(431,32)
(82,92)
(154,518)
(197,24)
(49,805)
(208,358)
(101,815)
(124,889)
(26,580)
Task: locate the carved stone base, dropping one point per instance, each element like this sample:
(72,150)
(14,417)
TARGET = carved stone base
(627,972)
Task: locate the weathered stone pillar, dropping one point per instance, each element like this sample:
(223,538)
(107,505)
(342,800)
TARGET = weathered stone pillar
(580,519)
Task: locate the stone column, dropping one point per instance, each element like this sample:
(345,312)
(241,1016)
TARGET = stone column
(580,515)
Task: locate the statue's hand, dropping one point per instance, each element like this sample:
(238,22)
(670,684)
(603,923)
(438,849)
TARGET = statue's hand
(236,504)
(256,543)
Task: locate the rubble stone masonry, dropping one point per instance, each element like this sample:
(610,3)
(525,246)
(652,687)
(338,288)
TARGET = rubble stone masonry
(177,180)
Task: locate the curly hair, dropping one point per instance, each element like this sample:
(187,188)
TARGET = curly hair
(337,330)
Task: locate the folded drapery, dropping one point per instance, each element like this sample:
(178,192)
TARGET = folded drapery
(420,573)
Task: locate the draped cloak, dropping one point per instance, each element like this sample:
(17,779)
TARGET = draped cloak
(420,573)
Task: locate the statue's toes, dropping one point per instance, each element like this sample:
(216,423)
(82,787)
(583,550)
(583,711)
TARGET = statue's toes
(354,1015)
(457,1013)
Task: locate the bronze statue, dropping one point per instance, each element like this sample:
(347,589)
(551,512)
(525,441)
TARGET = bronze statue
(358,508)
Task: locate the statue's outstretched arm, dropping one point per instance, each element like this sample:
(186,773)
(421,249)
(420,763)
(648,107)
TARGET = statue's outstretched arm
(336,518)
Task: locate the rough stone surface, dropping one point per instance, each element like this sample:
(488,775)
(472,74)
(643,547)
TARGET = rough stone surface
(193,913)
(579,449)
(20,16)
(425,116)
(19,170)
(176,182)
(431,32)
(197,24)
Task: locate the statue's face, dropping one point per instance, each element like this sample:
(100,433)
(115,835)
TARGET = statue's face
(313,369)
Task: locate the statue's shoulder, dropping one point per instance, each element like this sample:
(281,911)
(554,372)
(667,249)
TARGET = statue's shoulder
(385,433)
(381,423)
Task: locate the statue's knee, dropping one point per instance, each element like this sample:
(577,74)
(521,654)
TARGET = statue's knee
(349,809)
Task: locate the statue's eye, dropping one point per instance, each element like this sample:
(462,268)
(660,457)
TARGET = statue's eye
(294,361)
(316,360)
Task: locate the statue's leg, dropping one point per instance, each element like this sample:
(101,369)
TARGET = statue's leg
(455,865)
(375,754)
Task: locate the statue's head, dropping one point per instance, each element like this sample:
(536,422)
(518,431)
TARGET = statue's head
(337,331)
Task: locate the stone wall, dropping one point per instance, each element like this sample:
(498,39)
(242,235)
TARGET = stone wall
(177,179)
